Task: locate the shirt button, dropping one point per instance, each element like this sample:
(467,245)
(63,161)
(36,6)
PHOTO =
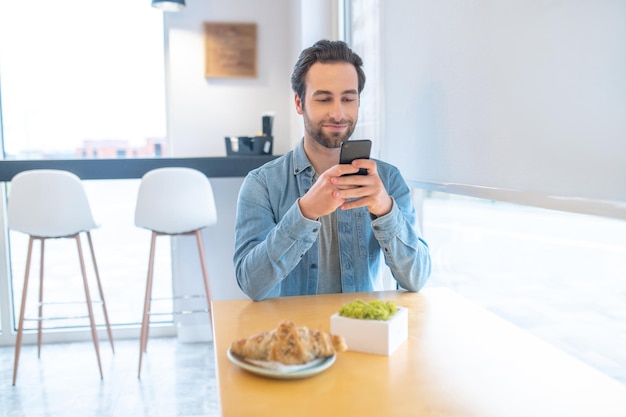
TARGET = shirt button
(313,266)
(376,227)
(315,230)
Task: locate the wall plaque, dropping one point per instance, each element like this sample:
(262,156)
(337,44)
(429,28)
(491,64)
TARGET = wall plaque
(230,50)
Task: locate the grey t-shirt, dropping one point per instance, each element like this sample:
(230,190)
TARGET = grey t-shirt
(328,255)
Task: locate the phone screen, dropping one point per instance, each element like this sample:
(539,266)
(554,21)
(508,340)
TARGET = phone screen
(355,149)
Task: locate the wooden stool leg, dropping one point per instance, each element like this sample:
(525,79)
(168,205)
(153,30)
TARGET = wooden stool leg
(20,324)
(205,274)
(40,306)
(92,321)
(104,306)
(145,321)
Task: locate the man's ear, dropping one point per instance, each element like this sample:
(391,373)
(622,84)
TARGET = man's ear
(299,107)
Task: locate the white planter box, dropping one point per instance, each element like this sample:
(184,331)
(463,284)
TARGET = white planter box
(372,336)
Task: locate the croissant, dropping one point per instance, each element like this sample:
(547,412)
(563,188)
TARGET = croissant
(289,344)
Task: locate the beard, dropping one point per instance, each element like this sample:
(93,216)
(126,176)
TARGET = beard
(326,139)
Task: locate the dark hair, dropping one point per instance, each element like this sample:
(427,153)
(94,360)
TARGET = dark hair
(324,51)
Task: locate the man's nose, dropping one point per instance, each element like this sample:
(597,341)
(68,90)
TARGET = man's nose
(337,111)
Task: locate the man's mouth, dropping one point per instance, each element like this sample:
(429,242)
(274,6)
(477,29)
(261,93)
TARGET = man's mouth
(334,126)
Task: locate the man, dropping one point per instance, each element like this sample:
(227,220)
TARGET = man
(304,228)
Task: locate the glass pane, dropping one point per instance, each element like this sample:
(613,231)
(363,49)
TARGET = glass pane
(558,275)
(86,81)
(81,72)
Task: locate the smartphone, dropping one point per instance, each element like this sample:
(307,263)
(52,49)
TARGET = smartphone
(355,149)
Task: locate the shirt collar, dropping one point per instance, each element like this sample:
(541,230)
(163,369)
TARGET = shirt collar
(300,161)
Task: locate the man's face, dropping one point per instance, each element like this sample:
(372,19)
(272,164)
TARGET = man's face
(331,103)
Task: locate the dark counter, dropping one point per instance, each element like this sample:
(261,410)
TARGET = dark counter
(128,168)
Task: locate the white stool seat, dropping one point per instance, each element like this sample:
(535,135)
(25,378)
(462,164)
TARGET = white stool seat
(49,203)
(173,201)
(52,204)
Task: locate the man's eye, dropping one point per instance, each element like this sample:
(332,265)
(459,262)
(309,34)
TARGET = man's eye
(323,100)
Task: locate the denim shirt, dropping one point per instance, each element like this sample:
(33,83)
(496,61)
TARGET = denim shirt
(276,251)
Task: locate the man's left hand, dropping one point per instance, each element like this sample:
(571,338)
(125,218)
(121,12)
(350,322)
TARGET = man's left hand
(363,190)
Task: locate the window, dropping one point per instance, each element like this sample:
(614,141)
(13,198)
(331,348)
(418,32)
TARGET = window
(85,81)
(559,275)
(80,72)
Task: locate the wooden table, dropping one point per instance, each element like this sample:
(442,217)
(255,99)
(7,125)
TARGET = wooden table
(459,360)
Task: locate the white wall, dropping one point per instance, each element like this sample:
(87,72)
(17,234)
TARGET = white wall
(202,111)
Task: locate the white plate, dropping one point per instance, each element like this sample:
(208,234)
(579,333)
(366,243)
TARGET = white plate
(314,368)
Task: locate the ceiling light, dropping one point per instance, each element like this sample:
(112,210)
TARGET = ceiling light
(169,5)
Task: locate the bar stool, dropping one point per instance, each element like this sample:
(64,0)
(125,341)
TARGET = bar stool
(52,204)
(173,201)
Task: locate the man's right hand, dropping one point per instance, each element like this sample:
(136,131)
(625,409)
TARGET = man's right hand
(320,199)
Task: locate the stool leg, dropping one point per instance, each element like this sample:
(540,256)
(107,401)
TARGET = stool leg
(205,274)
(40,306)
(20,324)
(145,321)
(92,321)
(104,306)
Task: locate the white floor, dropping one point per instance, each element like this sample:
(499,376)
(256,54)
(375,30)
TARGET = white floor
(177,380)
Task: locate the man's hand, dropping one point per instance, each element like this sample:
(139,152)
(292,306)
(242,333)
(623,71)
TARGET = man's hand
(363,190)
(332,190)
(320,200)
